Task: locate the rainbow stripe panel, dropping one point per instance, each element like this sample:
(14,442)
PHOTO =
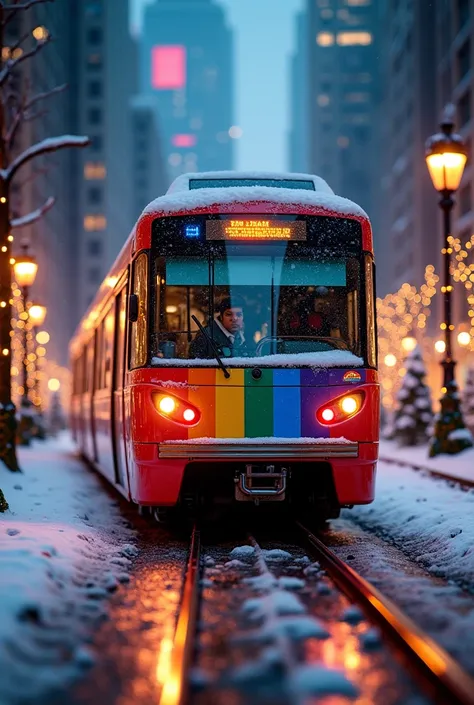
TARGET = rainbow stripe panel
(282,403)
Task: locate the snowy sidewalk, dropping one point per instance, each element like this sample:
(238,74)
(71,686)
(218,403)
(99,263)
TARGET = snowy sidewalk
(459,467)
(64,546)
(429,520)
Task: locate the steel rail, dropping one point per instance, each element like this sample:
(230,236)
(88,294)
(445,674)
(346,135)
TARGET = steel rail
(175,689)
(461,481)
(447,681)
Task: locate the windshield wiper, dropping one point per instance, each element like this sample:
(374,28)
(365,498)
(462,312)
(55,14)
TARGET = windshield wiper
(213,346)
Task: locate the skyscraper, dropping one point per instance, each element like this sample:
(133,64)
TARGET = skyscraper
(186,63)
(343,97)
(298,142)
(408,116)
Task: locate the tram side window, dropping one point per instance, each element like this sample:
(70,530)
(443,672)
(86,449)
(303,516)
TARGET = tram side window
(370,302)
(139,328)
(89,367)
(105,339)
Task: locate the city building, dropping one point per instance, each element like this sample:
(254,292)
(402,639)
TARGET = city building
(53,240)
(455,86)
(298,142)
(344,96)
(148,176)
(408,116)
(106,82)
(186,63)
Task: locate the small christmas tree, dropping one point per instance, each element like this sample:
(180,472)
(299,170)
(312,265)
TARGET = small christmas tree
(450,434)
(468,399)
(414,414)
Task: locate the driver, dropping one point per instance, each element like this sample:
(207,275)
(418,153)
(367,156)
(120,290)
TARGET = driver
(226,330)
(311,317)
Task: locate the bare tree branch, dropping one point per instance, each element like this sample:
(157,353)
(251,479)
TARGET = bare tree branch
(50,144)
(34,173)
(10,64)
(19,6)
(35,215)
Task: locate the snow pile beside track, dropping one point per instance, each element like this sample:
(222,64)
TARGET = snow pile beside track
(426,518)
(64,547)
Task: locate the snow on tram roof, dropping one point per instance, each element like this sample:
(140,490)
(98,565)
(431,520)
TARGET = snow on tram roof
(183,195)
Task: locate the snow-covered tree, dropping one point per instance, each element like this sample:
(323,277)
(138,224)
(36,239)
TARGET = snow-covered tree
(450,434)
(18,105)
(468,399)
(414,413)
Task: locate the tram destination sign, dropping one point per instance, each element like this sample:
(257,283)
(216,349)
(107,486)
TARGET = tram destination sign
(255,229)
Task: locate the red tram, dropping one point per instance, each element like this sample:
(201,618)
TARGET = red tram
(230,354)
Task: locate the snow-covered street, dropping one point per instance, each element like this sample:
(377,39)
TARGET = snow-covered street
(64,547)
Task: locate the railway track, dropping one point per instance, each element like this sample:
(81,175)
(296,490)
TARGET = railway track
(462,482)
(436,674)
(176,687)
(441,676)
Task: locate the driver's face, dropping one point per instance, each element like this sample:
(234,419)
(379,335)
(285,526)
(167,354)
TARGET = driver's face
(233,319)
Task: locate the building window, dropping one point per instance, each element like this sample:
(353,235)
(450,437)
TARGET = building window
(94,248)
(94,223)
(94,89)
(465,199)
(96,143)
(463,13)
(94,195)
(464,59)
(464,108)
(94,62)
(357,97)
(94,36)
(94,170)
(94,115)
(325,39)
(352,38)
(94,275)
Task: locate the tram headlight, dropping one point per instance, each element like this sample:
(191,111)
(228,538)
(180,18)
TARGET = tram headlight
(341,408)
(167,405)
(176,409)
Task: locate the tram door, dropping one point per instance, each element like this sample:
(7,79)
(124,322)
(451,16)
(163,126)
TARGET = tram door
(117,394)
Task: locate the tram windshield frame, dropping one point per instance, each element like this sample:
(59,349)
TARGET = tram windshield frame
(303,295)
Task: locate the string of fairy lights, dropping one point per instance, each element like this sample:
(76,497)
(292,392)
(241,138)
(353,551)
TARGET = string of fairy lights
(402,319)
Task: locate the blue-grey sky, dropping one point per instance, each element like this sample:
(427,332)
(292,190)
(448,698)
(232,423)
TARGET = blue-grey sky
(265,35)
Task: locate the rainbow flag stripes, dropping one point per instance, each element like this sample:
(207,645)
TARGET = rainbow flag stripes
(281,403)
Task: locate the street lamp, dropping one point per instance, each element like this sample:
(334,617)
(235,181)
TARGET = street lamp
(446,156)
(25,268)
(37,314)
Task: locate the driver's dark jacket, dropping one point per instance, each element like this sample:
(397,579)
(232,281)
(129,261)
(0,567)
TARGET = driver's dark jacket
(201,348)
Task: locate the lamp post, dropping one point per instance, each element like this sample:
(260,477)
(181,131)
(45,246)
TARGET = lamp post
(37,314)
(446,157)
(25,269)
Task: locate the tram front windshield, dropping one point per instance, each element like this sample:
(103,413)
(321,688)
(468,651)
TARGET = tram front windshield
(257,285)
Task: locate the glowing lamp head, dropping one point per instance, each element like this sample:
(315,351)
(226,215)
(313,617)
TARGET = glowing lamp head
(440,346)
(25,269)
(167,405)
(349,405)
(446,156)
(189,415)
(327,414)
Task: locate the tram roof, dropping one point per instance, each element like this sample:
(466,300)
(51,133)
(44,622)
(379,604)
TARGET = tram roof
(187,194)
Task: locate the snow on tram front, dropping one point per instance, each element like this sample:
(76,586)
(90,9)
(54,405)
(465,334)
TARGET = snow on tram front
(251,370)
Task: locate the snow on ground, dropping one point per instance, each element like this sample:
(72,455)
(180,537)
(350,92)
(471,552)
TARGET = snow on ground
(460,466)
(64,547)
(425,517)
